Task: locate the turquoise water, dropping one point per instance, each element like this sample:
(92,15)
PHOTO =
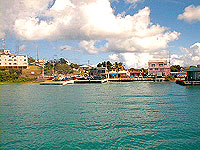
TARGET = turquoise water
(100,116)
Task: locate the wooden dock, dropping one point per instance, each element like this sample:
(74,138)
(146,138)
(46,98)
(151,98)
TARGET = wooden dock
(50,82)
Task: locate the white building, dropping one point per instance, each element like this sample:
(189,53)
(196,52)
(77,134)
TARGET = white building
(9,60)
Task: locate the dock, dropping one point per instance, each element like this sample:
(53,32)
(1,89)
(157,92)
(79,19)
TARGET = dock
(131,80)
(50,82)
(183,82)
(90,81)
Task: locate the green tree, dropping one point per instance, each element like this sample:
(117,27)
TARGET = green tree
(31,60)
(63,68)
(175,68)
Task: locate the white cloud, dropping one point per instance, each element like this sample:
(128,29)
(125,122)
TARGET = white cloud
(114,57)
(139,60)
(190,14)
(88,46)
(87,21)
(190,57)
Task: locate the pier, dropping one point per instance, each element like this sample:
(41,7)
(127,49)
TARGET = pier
(50,82)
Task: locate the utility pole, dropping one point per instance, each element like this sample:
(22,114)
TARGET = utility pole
(169,58)
(43,68)
(37,53)
(4,44)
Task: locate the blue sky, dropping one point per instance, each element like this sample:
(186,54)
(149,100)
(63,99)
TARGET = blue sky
(102,30)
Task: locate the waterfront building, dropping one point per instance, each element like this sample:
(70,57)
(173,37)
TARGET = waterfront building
(135,74)
(193,74)
(158,68)
(85,67)
(98,71)
(9,60)
(123,74)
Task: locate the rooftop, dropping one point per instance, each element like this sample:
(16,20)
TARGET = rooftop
(194,69)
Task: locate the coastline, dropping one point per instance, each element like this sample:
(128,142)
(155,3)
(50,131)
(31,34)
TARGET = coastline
(28,82)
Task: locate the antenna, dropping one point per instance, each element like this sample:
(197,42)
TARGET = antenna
(37,56)
(169,57)
(17,49)
(4,44)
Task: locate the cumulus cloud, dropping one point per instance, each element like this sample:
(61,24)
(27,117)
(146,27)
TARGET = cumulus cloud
(191,56)
(139,60)
(87,21)
(190,14)
(88,46)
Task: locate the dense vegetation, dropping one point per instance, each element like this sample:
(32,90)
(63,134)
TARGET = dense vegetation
(175,68)
(13,76)
(115,66)
(59,66)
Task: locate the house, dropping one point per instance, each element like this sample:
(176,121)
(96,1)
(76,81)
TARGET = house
(9,60)
(158,68)
(98,71)
(193,74)
(85,67)
(123,74)
(135,73)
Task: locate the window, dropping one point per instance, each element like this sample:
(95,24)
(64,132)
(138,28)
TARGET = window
(9,59)
(10,64)
(156,68)
(24,59)
(15,59)
(153,65)
(161,65)
(151,69)
(15,64)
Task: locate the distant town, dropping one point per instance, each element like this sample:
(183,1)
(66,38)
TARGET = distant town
(21,68)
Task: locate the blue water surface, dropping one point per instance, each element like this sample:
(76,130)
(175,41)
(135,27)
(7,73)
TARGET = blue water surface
(136,115)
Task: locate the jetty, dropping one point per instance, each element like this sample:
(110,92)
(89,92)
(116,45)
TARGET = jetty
(135,79)
(50,82)
(90,81)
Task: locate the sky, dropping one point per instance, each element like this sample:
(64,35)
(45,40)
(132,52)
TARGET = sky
(92,31)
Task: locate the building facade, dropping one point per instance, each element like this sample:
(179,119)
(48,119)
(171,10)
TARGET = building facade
(99,71)
(158,68)
(8,60)
(193,74)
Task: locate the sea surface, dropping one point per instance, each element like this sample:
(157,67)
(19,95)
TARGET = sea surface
(136,115)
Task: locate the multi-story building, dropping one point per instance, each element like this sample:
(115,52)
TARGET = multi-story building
(8,60)
(158,68)
(99,71)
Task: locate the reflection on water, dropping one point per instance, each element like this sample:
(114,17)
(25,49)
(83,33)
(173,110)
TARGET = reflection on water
(100,116)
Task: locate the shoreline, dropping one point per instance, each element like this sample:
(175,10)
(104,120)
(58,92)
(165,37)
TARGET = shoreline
(31,82)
